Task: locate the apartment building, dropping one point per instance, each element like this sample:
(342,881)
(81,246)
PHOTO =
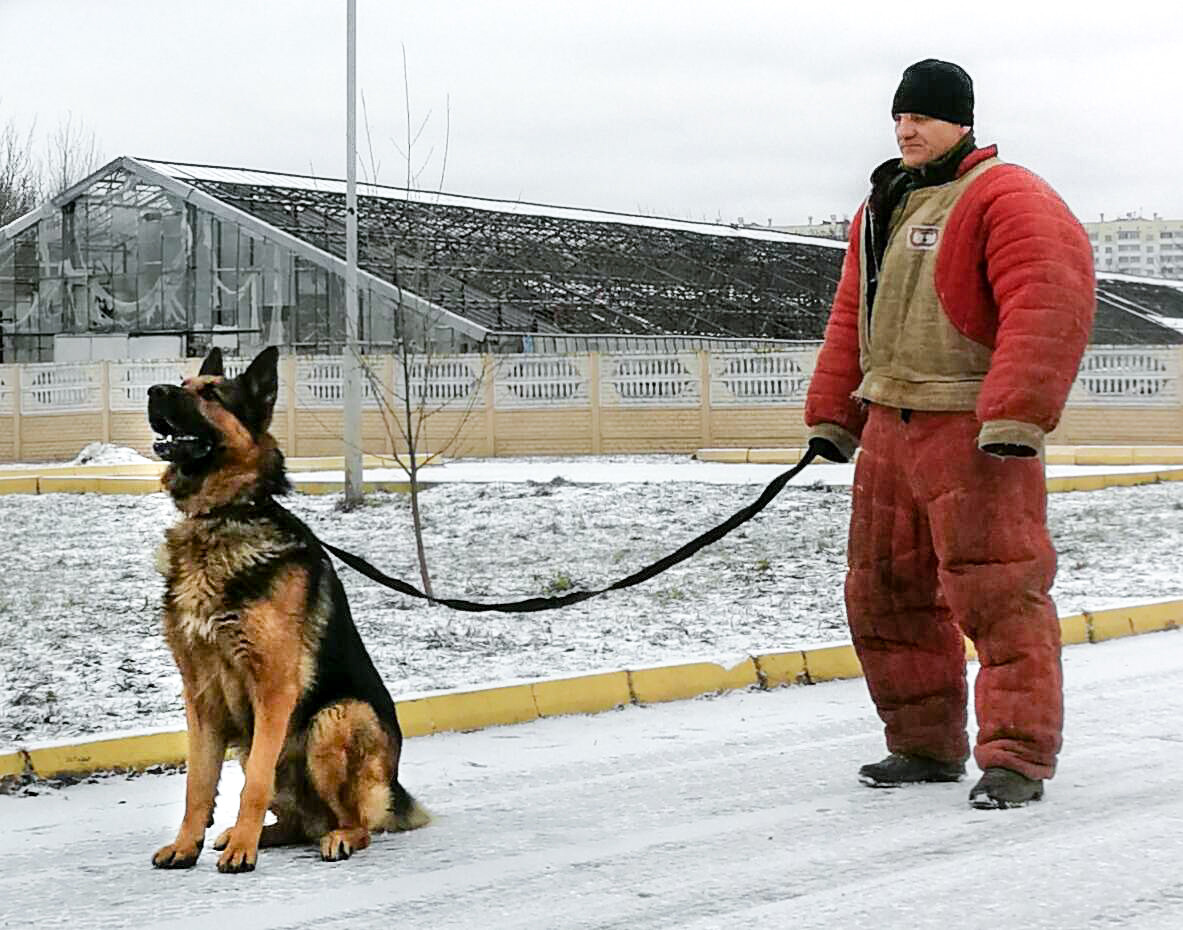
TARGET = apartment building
(1136,245)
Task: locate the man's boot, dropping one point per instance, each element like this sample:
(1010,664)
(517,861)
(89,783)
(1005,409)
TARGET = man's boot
(1000,788)
(901,769)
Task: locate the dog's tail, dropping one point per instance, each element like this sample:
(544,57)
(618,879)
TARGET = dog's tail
(406,812)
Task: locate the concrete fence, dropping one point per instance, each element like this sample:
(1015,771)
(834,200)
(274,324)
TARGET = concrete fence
(491,405)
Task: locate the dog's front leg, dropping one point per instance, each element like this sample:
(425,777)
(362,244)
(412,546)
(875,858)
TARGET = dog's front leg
(207,751)
(273,709)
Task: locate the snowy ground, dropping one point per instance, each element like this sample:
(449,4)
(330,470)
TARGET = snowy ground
(738,811)
(79,605)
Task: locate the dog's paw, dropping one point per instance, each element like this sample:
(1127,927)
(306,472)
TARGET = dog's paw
(337,845)
(238,855)
(177,856)
(223,839)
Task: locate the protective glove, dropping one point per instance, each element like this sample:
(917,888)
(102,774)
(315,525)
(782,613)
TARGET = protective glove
(827,450)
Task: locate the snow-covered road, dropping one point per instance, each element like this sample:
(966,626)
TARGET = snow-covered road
(740,810)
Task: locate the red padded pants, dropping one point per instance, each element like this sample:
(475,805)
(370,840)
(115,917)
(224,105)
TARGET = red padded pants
(944,539)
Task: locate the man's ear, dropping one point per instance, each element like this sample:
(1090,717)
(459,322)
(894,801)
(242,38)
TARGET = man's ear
(213,363)
(261,380)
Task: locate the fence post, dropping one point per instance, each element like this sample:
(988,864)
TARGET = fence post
(593,391)
(16,412)
(291,370)
(704,374)
(490,404)
(105,398)
(1178,391)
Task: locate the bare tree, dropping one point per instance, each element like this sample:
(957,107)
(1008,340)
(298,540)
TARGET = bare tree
(424,388)
(20,175)
(72,153)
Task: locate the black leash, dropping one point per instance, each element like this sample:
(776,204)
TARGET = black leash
(532,604)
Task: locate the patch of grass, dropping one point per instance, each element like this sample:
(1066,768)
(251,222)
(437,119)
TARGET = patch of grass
(560,583)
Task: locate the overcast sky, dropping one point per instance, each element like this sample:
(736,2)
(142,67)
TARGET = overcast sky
(704,110)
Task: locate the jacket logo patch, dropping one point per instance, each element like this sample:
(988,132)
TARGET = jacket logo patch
(923,237)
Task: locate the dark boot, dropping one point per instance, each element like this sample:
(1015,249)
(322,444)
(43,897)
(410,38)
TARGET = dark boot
(900,769)
(1000,788)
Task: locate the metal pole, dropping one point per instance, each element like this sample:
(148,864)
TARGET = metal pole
(352,373)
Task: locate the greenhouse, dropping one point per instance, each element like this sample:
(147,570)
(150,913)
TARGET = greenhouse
(152,259)
(158,259)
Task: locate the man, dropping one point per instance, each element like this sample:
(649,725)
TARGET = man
(965,304)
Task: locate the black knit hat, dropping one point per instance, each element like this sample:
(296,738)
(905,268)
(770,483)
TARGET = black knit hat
(939,89)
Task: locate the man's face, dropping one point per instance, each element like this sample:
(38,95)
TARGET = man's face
(924,138)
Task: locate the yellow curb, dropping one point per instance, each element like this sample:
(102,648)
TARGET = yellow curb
(728,456)
(77,484)
(774,456)
(19,485)
(12,763)
(137,751)
(832,663)
(1108,624)
(52,484)
(678,682)
(1153,618)
(1105,455)
(1100,482)
(1127,480)
(1127,621)
(1076,483)
(586,694)
(1158,455)
(1074,629)
(129,485)
(133,469)
(472,709)
(476,708)
(782,668)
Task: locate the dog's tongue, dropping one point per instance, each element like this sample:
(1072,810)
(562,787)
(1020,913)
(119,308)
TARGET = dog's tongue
(181,448)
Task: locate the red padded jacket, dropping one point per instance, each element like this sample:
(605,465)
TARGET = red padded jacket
(1014,273)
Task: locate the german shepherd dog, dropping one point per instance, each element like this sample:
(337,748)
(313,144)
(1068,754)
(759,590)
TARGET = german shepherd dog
(270,660)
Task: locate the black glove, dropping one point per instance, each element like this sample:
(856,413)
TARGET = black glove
(1009,450)
(826,449)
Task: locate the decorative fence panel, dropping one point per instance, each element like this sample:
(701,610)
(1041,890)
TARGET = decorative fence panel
(320,382)
(7,390)
(128,382)
(440,382)
(667,380)
(758,378)
(51,388)
(550,381)
(1127,375)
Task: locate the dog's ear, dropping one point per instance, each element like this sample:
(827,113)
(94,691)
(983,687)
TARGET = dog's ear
(213,363)
(261,383)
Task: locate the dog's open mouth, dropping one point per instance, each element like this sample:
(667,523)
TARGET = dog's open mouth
(181,448)
(176,443)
